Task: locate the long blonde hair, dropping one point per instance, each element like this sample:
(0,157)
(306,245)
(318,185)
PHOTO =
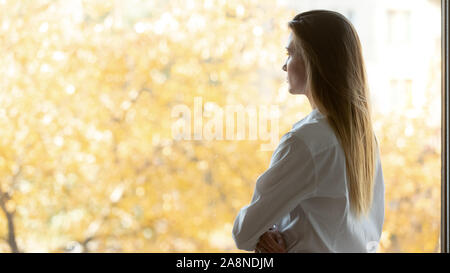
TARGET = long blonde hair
(337,80)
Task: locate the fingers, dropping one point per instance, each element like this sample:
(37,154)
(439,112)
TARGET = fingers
(269,243)
(267,249)
(278,237)
(280,240)
(275,244)
(261,246)
(272,242)
(261,249)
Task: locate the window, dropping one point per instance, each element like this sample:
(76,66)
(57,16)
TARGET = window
(399,26)
(95,162)
(445,179)
(401,92)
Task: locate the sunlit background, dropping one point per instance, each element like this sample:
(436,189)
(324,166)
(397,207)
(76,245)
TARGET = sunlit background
(88,162)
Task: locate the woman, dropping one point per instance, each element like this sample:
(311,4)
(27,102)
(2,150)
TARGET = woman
(324,188)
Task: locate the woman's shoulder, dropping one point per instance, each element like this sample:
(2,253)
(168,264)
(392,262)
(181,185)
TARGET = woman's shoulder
(316,134)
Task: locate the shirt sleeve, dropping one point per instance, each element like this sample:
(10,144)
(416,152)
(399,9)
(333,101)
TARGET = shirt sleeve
(289,179)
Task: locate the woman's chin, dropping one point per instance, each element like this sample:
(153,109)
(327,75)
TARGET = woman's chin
(293,92)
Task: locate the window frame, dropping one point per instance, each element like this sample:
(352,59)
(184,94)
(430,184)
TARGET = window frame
(445,126)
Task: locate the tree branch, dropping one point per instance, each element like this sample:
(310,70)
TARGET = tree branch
(11,240)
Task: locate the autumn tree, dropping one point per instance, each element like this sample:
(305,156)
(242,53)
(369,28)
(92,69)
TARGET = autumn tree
(88,161)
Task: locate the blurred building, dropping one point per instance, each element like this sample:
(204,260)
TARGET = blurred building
(400,39)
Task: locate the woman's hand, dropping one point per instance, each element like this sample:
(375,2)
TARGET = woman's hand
(271,242)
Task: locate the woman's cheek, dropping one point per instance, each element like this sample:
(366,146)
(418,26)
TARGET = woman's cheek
(292,74)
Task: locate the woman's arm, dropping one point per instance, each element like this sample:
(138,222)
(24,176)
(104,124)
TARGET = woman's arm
(289,180)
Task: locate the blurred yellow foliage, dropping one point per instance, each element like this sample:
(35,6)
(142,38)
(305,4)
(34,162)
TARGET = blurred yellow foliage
(87,159)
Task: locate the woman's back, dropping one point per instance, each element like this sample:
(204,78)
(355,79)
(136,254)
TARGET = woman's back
(326,169)
(323,222)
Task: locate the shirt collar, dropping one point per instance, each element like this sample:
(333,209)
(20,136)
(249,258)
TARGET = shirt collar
(315,114)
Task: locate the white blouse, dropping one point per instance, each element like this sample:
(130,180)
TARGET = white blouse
(304,195)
